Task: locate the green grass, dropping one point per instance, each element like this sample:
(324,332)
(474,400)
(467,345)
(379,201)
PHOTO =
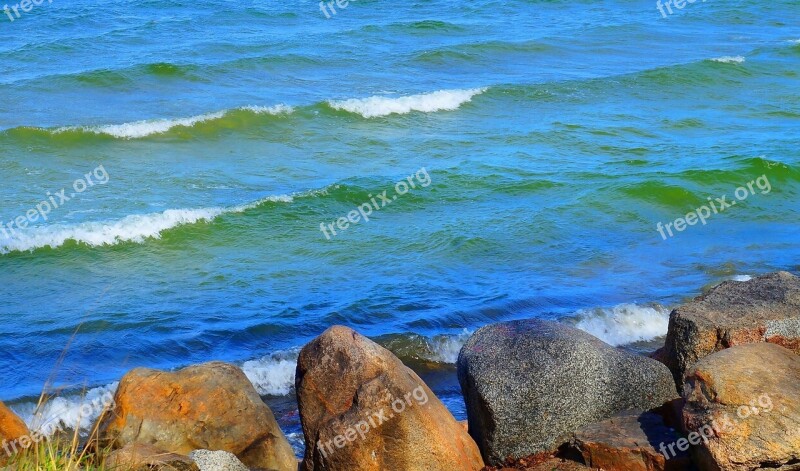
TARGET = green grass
(58,454)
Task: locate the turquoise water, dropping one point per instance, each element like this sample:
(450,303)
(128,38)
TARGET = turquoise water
(218,136)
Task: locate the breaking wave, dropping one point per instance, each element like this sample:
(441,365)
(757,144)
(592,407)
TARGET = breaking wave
(625,323)
(77,412)
(134,228)
(730,59)
(376,106)
(140,129)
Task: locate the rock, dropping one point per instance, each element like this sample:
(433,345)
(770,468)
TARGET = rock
(208,406)
(142,457)
(763,309)
(362,409)
(629,441)
(12,429)
(529,384)
(743,405)
(539,462)
(217,461)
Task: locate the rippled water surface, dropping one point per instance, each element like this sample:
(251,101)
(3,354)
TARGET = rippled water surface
(218,136)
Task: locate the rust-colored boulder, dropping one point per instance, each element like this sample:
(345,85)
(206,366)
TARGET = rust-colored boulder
(210,406)
(141,457)
(763,309)
(629,441)
(743,409)
(363,410)
(12,428)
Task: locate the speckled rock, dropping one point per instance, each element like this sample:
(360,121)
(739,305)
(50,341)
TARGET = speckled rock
(763,309)
(217,461)
(744,403)
(529,384)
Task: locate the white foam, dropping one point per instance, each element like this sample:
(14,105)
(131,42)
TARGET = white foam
(625,323)
(741,278)
(730,59)
(276,110)
(445,348)
(272,375)
(78,412)
(442,100)
(140,129)
(134,228)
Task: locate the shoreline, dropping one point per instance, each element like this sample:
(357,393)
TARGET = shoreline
(442,372)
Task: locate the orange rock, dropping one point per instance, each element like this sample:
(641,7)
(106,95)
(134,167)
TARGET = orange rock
(743,408)
(629,442)
(764,309)
(11,429)
(210,406)
(363,410)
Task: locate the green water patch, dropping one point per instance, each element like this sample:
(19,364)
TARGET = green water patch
(473,52)
(662,194)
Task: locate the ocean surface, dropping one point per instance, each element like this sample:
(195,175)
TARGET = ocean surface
(207,152)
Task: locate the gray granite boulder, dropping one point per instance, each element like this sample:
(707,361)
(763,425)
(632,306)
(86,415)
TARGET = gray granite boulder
(529,384)
(763,309)
(218,460)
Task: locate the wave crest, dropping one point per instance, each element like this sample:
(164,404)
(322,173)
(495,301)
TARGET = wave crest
(273,375)
(77,412)
(625,323)
(730,59)
(140,129)
(133,228)
(376,106)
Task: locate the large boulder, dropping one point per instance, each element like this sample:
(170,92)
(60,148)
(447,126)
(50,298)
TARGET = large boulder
(210,406)
(362,409)
(743,407)
(763,309)
(529,384)
(12,429)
